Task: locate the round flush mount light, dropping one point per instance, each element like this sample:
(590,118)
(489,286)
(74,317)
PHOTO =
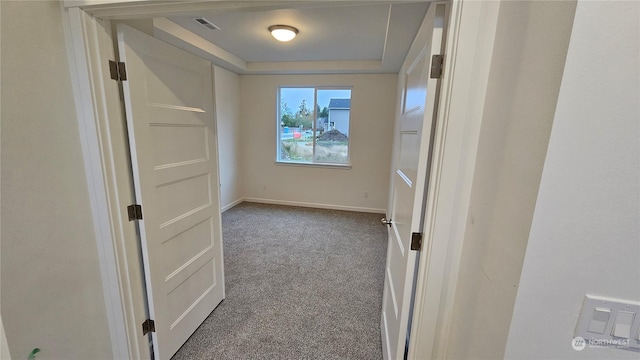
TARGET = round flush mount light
(283,32)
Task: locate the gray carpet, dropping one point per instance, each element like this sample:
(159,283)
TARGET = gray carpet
(301,284)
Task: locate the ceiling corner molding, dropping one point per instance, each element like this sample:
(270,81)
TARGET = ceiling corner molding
(386,36)
(315,67)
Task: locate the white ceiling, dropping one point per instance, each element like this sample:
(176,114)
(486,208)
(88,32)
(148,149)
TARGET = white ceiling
(334,37)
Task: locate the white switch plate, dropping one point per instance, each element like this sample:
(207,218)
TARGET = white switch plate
(598,330)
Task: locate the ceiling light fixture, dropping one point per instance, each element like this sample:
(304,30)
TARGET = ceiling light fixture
(283,32)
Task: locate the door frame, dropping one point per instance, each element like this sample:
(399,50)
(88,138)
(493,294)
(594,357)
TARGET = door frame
(101,122)
(469,46)
(468,52)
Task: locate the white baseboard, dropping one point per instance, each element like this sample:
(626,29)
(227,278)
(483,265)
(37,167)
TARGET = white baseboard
(229,206)
(315,205)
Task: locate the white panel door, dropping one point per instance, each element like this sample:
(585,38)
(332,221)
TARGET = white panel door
(169,107)
(414,144)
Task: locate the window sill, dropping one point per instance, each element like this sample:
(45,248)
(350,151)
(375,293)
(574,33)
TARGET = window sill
(316,165)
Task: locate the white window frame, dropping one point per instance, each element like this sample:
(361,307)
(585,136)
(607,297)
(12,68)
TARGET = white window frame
(314,124)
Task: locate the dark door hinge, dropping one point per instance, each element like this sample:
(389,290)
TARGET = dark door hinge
(118,70)
(437,61)
(416,241)
(148,326)
(135,212)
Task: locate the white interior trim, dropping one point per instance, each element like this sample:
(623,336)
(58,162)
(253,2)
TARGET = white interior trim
(81,73)
(313,205)
(468,53)
(479,21)
(317,67)
(101,123)
(386,35)
(231,205)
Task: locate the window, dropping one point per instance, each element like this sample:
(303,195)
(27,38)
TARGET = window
(309,134)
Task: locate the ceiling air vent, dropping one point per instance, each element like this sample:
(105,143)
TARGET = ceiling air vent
(206,23)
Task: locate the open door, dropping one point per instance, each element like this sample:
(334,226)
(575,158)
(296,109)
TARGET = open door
(411,175)
(168,96)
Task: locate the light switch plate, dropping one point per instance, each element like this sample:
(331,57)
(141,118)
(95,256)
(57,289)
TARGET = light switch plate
(601,318)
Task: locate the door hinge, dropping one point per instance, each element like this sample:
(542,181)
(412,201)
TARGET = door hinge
(135,212)
(148,326)
(416,241)
(437,61)
(118,70)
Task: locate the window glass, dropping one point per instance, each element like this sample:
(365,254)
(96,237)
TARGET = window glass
(309,133)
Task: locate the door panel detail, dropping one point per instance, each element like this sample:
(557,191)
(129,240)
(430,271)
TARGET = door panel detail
(169,108)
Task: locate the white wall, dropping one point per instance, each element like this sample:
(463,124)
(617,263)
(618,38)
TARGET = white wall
(529,50)
(372,114)
(585,235)
(227,108)
(51,291)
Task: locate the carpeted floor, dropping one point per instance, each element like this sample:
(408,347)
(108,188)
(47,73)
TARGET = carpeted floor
(301,284)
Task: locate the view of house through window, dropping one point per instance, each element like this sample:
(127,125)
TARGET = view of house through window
(309,133)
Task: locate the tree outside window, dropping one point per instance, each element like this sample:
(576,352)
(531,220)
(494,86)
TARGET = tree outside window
(311,134)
